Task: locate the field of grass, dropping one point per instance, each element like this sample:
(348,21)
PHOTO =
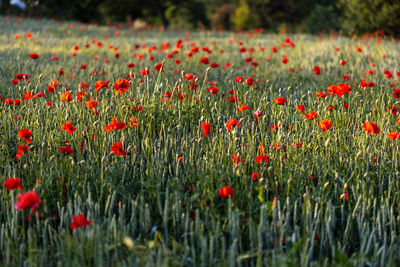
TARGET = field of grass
(190,186)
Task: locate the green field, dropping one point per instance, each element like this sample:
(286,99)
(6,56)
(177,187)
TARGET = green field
(300,192)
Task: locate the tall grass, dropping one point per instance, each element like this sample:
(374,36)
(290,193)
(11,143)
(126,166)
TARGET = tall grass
(147,208)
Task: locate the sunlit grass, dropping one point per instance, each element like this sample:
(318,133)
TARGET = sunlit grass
(334,200)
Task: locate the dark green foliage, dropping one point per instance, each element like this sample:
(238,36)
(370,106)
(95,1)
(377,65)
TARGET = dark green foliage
(356,16)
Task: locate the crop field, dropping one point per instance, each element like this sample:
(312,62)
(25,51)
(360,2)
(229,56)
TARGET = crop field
(125,147)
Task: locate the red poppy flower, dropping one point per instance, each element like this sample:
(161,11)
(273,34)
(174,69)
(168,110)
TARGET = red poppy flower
(80,95)
(83,85)
(301,108)
(285,60)
(34,56)
(239,79)
(188,77)
(254,176)
(325,125)
(249,81)
(66,150)
(52,86)
(370,127)
(121,86)
(231,123)
(297,145)
(280,100)
(79,221)
(21,76)
(226,191)
(205,60)
(22,151)
(392,109)
(159,67)
(40,94)
(214,65)
(243,107)
(339,89)
(213,90)
(12,183)
(393,135)
(133,122)
(27,95)
(144,72)
(25,134)
(114,125)
(312,115)
(206,128)
(262,158)
(66,96)
(396,93)
(28,200)
(68,127)
(17,102)
(117,149)
(320,94)
(258,114)
(317,70)
(91,104)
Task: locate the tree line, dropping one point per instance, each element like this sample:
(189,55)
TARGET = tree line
(314,16)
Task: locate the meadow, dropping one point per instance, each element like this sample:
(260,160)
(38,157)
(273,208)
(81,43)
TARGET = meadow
(124,147)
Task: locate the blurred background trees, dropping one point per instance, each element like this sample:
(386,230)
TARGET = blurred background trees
(314,16)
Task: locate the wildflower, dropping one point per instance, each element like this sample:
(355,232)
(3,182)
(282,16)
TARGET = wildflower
(239,79)
(28,200)
(133,122)
(236,160)
(12,183)
(117,149)
(312,115)
(370,127)
(79,221)
(205,60)
(52,86)
(68,127)
(27,95)
(317,70)
(66,150)
(249,81)
(254,176)
(231,123)
(213,90)
(91,104)
(66,96)
(393,135)
(226,192)
(301,108)
(320,94)
(243,107)
(34,56)
(114,125)
(262,158)
(325,125)
(280,100)
(22,151)
(206,128)
(121,86)
(25,134)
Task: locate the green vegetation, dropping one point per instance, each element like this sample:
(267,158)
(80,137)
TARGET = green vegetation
(306,16)
(318,197)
